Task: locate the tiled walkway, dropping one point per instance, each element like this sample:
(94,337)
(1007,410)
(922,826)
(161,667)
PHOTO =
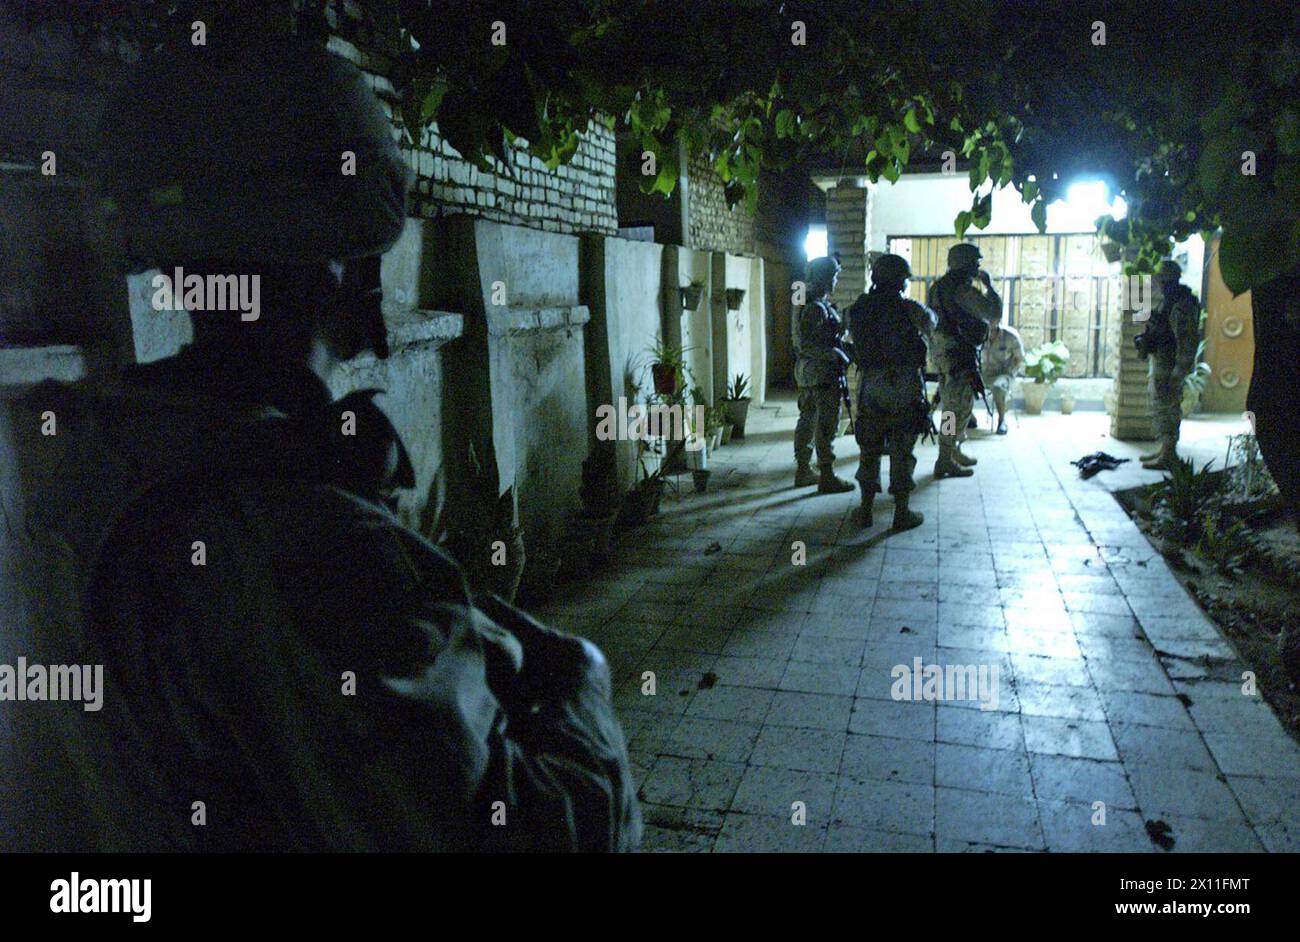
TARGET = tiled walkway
(772,691)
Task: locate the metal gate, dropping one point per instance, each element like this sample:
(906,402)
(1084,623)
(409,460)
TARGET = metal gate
(1053,287)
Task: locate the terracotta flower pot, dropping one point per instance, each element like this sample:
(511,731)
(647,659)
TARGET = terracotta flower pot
(665,378)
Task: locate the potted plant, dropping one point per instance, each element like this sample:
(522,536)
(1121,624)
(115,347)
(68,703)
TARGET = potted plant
(736,404)
(1194,382)
(667,368)
(691,295)
(715,421)
(642,501)
(593,526)
(1044,365)
(479,517)
(735,296)
(697,459)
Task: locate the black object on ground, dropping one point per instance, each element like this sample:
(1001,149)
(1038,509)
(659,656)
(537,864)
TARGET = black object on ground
(1096,462)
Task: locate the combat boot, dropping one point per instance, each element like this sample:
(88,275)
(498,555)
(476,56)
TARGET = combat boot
(946,467)
(805,476)
(863,514)
(1164,459)
(963,459)
(905,519)
(828,483)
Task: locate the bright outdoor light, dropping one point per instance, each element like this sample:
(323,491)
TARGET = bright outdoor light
(814,244)
(1089,199)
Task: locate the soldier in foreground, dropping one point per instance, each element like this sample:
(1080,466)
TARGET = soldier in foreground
(965,303)
(1001,359)
(1170,341)
(890,334)
(284,658)
(820,359)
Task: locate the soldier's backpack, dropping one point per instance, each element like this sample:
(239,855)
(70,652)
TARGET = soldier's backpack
(883,334)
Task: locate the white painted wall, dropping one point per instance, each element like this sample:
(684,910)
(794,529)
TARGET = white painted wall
(926,204)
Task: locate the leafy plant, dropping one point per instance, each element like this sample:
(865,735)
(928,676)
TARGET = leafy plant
(668,363)
(1182,500)
(1229,547)
(865,86)
(1046,363)
(738,388)
(1249,474)
(666,353)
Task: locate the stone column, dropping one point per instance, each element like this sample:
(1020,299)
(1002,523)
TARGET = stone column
(847,216)
(1131,421)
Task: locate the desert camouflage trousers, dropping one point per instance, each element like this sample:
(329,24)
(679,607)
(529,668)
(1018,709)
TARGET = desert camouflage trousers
(1165,385)
(956,388)
(819,421)
(886,399)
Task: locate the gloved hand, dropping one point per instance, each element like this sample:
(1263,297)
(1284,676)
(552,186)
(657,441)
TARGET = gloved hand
(556,666)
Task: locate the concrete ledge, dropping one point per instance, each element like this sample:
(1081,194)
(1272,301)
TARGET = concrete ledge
(23,366)
(507,321)
(415,327)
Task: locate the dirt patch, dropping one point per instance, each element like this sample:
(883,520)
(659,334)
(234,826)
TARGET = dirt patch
(1254,598)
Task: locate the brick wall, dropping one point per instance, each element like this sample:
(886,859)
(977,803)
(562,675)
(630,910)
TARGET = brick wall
(711,224)
(577,197)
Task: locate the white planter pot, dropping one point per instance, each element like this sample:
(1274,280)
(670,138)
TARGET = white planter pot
(1035,395)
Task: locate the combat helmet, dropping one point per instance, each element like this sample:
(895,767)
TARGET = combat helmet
(964,255)
(278,155)
(890,270)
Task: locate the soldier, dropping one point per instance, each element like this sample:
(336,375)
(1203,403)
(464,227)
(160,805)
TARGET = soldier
(1170,341)
(965,303)
(1001,359)
(280,648)
(890,337)
(817,333)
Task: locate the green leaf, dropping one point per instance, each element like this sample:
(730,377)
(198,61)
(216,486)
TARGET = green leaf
(1219,156)
(1004,177)
(1039,215)
(962,223)
(785,123)
(911,123)
(1029,191)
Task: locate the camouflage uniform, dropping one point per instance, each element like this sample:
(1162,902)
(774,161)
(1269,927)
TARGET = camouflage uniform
(1001,359)
(890,335)
(227,680)
(961,309)
(1174,330)
(816,332)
